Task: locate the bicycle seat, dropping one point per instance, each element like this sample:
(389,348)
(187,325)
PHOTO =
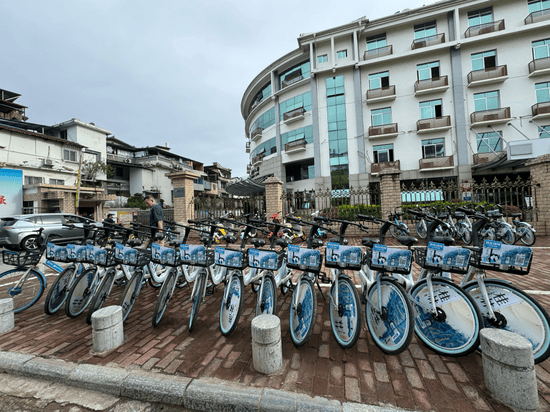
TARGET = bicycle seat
(317,243)
(159,235)
(399,213)
(337,240)
(258,242)
(283,242)
(369,241)
(408,240)
(458,214)
(446,240)
(515,214)
(134,242)
(229,238)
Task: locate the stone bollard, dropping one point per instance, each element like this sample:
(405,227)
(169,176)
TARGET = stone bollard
(107,329)
(7,317)
(267,353)
(508,368)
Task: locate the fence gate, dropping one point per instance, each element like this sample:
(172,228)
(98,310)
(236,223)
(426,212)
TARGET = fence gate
(210,206)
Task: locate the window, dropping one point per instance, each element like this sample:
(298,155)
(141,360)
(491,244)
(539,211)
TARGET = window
(424,30)
(376,42)
(264,121)
(261,96)
(303,100)
(431,109)
(341,54)
(69,155)
(301,133)
(383,153)
(543,92)
(56,220)
(295,74)
(427,70)
(57,182)
(544,132)
(541,49)
(538,5)
(484,60)
(300,171)
(268,147)
(478,17)
(379,80)
(322,59)
(119,172)
(63,134)
(433,148)
(337,129)
(33,180)
(489,142)
(486,101)
(380,117)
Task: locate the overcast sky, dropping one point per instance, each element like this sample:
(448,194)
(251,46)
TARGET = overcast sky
(156,72)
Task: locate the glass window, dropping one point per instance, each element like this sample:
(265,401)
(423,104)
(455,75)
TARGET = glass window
(297,134)
(543,92)
(264,121)
(486,101)
(424,30)
(57,182)
(489,142)
(478,17)
(433,148)
(336,116)
(379,80)
(541,49)
(300,171)
(383,153)
(341,54)
(52,219)
(335,85)
(69,155)
(544,132)
(74,219)
(295,74)
(376,42)
(485,60)
(431,109)
(427,70)
(303,100)
(268,147)
(262,95)
(322,59)
(33,180)
(381,116)
(538,5)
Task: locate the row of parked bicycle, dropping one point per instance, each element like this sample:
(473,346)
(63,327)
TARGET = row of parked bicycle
(445,315)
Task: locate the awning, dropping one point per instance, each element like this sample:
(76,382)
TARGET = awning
(499,164)
(244,187)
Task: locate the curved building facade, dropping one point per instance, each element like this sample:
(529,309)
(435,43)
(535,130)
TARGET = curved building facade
(435,92)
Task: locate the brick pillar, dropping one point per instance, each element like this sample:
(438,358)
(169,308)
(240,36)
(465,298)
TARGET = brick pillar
(182,182)
(273,193)
(540,175)
(390,190)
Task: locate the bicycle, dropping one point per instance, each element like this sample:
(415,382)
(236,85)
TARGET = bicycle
(398,228)
(524,231)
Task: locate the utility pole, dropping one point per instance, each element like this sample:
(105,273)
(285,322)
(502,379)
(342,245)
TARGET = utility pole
(77,200)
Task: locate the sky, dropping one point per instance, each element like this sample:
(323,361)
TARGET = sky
(157,72)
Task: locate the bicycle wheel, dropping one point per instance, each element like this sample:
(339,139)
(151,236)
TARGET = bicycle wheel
(464,233)
(130,293)
(421,230)
(346,318)
(166,292)
(267,302)
(81,292)
(526,235)
(508,236)
(101,294)
(230,310)
(25,296)
(197,299)
(454,330)
(391,321)
(56,296)
(517,312)
(303,315)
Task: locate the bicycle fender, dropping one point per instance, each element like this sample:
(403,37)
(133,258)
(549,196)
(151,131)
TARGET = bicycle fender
(343,275)
(492,280)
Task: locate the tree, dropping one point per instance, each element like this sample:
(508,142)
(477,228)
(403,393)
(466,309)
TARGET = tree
(136,201)
(90,170)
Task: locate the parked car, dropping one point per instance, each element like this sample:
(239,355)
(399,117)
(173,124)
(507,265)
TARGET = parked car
(19,231)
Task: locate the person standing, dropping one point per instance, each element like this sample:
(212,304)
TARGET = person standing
(156,216)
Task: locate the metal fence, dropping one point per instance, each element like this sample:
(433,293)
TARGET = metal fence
(206,206)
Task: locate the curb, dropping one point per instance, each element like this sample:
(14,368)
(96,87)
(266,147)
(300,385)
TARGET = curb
(196,394)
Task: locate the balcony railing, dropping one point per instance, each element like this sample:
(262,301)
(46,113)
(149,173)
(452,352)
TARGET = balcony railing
(487,74)
(480,158)
(537,16)
(258,158)
(256,133)
(376,168)
(539,65)
(385,91)
(247,147)
(296,145)
(294,114)
(433,83)
(118,158)
(382,51)
(436,162)
(293,78)
(540,109)
(383,130)
(428,41)
(433,123)
(495,115)
(484,28)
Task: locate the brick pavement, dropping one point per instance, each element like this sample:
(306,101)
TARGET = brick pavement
(416,379)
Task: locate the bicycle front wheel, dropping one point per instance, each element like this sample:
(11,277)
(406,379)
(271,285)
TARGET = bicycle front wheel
(345,318)
(130,293)
(517,312)
(101,295)
(56,296)
(454,329)
(81,292)
(197,299)
(526,235)
(230,310)
(26,295)
(266,304)
(509,237)
(421,230)
(166,292)
(390,318)
(303,312)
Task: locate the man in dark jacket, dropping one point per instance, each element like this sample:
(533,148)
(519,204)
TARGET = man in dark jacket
(156,216)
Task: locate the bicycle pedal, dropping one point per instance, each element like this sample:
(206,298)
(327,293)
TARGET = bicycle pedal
(324,278)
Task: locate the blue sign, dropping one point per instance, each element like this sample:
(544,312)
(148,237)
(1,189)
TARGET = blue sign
(11,192)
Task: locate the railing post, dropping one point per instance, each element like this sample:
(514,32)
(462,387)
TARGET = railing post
(182,182)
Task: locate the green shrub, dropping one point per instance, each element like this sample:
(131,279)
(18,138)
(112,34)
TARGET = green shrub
(348,212)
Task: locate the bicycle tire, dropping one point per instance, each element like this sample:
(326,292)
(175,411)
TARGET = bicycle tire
(464,233)
(346,329)
(57,294)
(303,316)
(230,309)
(421,230)
(508,237)
(266,304)
(391,329)
(457,331)
(526,235)
(518,312)
(101,294)
(130,293)
(165,294)
(81,292)
(197,299)
(29,294)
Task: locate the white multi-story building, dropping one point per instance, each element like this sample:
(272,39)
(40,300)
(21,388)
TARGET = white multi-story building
(437,91)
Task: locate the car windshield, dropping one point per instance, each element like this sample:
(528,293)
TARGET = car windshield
(7,221)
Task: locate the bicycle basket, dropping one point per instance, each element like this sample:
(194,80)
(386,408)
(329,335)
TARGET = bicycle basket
(503,258)
(57,253)
(194,255)
(441,258)
(343,257)
(130,256)
(387,259)
(264,259)
(230,258)
(100,257)
(304,259)
(165,255)
(28,258)
(77,253)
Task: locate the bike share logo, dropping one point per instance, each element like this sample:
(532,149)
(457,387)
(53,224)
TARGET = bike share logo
(448,258)
(96,255)
(163,255)
(126,254)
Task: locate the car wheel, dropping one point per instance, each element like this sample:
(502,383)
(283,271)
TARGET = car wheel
(29,243)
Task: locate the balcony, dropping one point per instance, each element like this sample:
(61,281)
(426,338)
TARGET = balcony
(487,76)
(294,115)
(436,163)
(386,130)
(484,28)
(292,78)
(539,66)
(376,168)
(541,110)
(434,124)
(256,134)
(382,51)
(296,146)
(433,85)
(428,41)
(258,159)
(248,168)
(537,16)
(247,147)
(480,158)
(118,158)
(381,94)
(490,116)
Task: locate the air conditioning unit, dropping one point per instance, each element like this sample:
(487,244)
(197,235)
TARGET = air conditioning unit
(48,162)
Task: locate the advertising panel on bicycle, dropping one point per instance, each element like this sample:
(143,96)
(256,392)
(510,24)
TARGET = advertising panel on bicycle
(163,255)
(263,259)
(56,253)
(303,258)
(506,258)
(96,255)
(229,258)
(77,253)
(124,254)
(193,254)
(390,259)
(448,258)
(338,256)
